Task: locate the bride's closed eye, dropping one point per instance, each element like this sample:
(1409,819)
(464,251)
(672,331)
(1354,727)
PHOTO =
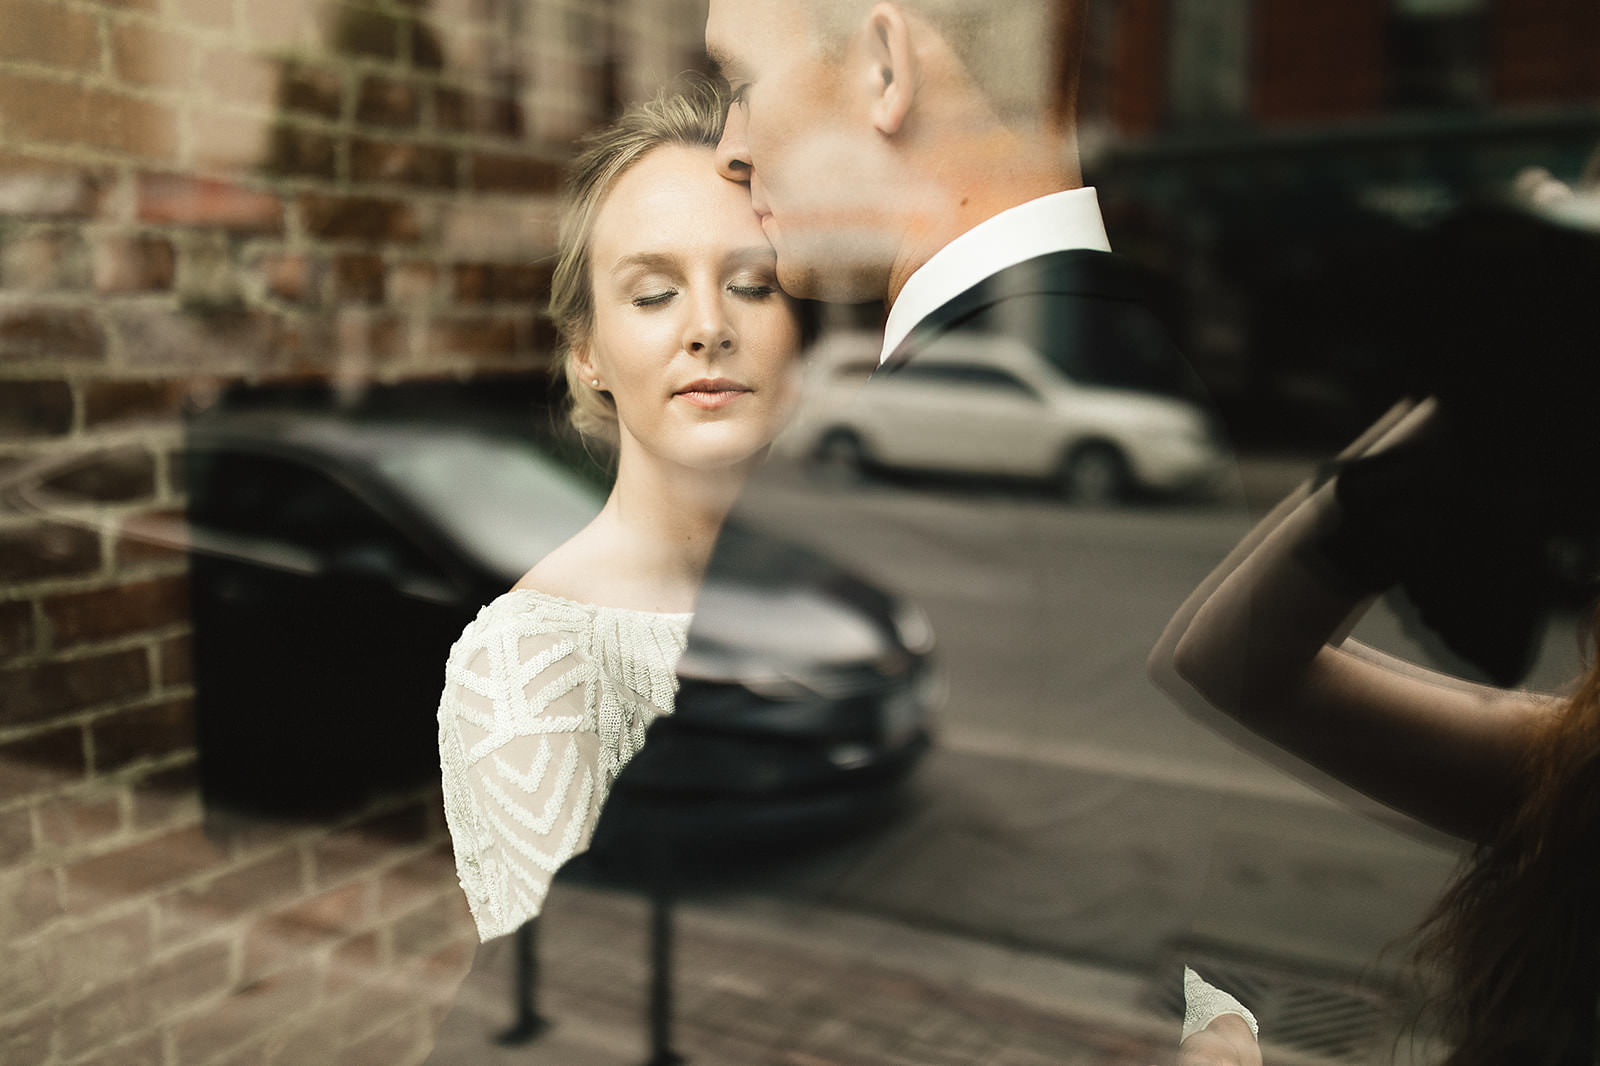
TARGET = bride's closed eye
(654,299)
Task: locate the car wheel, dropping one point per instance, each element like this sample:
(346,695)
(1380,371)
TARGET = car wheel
(1095,474)
(840,457)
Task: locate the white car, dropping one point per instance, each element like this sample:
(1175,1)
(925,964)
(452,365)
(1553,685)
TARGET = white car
(992,405)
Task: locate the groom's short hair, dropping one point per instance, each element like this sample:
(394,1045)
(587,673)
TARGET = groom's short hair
(1023,55)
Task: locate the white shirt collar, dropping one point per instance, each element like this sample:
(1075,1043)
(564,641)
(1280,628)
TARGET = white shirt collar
(1054,223)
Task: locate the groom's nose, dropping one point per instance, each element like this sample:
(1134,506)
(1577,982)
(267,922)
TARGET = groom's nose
(733,155)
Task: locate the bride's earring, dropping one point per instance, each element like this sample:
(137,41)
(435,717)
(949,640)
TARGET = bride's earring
(595,382)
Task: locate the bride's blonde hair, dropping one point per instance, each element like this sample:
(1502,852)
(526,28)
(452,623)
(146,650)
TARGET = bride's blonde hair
(693,115)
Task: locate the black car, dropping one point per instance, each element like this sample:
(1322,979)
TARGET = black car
(335,557)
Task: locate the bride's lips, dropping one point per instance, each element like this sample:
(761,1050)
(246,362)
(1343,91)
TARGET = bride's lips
(711,393)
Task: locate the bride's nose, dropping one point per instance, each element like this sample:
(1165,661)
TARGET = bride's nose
(708,328)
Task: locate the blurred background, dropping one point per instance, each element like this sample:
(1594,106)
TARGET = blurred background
(272,275)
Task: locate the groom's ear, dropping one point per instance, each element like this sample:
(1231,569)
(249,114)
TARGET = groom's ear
(893,67)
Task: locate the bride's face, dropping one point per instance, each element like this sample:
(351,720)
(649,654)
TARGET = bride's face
(691,334)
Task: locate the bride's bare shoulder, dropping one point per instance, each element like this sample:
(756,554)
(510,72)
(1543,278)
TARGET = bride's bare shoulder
(572,571)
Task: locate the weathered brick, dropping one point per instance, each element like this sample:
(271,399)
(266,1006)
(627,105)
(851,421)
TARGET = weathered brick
(460,111)
(227,141)
(214,342)
(409,885)
(249,888)
(502,283)
(315,90)
(27,1039)
(294,151)
(146,57)
(358,218)
(41,762)
(387,102)
(123,401)
(424,931)
(206,13)
(134,264)
(189,977)
(420,165)
(250,1011)
(402,1040)
(161,729)
(143,1050)
(75,820)
(35,409)
(47,549)
(16,629)
(100,1018)
(44,261)
(473,336)
(44,691)
(501,172)
(30,901)
(205,202)
(287,23)
(115,475)
(316,1038)
(100,614)
(30,978)
(39,188)
(49,34)
(359,278)
(16,836)
(138,868)
(62,113)
(423,45)
(237,76)
(368,843)
(354,961)
(474,228)
(355,31)
(412,284)
(151,537)
(109,950)
(276,940)
(166,795)
(294,278)
(177,660)
(50,333)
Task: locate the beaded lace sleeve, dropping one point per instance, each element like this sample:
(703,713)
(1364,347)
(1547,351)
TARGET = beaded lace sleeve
(545,700)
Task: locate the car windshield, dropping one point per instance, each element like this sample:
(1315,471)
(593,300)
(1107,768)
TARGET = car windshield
(503,498)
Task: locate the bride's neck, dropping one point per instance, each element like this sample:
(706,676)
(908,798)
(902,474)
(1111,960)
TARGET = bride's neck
(673,514)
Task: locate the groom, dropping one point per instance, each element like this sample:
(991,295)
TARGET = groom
(909,151)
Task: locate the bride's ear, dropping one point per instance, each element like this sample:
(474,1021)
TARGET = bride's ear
(583,362)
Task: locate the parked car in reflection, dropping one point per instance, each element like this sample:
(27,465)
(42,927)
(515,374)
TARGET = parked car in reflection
(334,559)
(985,405)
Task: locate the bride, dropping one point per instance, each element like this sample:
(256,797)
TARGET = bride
(678,352)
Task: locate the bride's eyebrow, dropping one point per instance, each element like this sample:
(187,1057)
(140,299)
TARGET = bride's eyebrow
(644,261)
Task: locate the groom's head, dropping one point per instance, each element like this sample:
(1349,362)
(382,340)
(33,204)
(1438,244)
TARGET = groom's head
(860,124)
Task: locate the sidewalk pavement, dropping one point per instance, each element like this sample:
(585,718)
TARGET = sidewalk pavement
(766,982)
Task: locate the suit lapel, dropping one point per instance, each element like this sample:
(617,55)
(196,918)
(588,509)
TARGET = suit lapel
(1076,272)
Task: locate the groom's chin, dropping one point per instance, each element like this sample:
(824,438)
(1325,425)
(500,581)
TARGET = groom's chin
(833,278)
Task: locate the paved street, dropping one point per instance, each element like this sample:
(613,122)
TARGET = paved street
(1068,805)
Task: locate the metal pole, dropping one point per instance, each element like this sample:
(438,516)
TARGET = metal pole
(529,1024)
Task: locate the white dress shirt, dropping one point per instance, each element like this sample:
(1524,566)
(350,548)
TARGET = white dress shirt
(1054,223)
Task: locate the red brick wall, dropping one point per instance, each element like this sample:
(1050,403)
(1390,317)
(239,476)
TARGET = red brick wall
(1314,62)
(1544,51)
(194,192)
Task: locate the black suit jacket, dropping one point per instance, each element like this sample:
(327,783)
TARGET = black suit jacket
(1090,313)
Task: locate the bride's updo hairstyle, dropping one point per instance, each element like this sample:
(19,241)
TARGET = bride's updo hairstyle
(691,115)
